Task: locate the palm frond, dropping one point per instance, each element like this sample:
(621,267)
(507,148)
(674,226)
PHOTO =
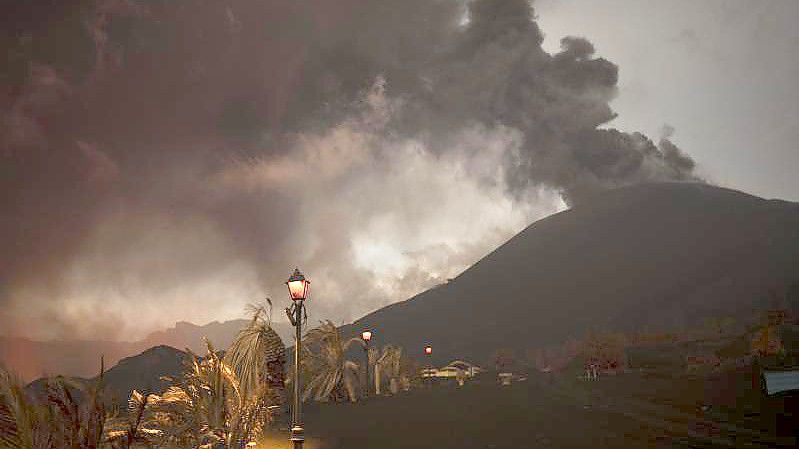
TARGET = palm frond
(250,353)
(324,361)
(23,422)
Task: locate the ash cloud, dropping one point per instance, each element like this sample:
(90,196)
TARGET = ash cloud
(172,160)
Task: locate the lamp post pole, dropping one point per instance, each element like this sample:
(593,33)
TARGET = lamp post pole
(428,350)
(298,290)
(366,336)
(297,432)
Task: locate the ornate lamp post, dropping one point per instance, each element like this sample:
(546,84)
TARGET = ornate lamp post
(428,351)
(366,336)
(298,291)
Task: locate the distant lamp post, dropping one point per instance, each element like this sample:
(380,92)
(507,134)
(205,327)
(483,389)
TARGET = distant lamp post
(366,336)
(428,351)
(298,291)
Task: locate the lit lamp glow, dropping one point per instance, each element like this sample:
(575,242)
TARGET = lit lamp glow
(366,335)
(298,286)
(428,349)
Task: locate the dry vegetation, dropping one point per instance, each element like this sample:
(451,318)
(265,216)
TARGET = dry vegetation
(221,401)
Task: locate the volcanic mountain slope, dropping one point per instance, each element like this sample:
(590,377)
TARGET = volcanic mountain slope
(652,256)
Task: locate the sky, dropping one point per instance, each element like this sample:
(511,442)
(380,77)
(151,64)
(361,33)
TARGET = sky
(164,162)
(721,73)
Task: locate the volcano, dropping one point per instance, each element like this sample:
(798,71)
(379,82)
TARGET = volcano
(660,256)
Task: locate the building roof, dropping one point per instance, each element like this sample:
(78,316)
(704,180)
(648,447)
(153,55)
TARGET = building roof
(781,381)
(462,364)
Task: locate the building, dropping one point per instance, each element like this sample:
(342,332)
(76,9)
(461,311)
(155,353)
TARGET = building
(455,370)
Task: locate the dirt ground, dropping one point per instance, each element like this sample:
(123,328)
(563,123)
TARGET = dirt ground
(625,411)
(525,414)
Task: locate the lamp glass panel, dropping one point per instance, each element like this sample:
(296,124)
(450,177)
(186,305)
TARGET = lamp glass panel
(298,289)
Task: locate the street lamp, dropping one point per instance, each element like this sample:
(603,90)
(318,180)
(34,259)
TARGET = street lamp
(428,351)
(366,336)
(298,291)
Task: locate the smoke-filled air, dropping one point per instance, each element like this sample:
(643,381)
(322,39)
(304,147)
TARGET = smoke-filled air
(167,160)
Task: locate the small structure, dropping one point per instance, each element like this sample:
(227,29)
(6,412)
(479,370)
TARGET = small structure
(457,370)
(781,391)
(468,369)
(776,382)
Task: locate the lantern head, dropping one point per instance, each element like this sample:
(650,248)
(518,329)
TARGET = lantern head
(298,286)
(428,349)
(366,335)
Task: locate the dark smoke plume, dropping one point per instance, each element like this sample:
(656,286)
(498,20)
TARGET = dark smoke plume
(177,159)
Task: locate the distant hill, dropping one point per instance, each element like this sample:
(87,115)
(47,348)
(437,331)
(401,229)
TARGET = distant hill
(31,359)
(652,256)
(143,372)
(221,334)
(188,335)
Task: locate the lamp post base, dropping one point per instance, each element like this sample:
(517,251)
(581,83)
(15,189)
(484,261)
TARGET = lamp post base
(297,436)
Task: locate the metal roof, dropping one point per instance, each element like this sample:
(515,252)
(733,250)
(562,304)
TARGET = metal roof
(780,381)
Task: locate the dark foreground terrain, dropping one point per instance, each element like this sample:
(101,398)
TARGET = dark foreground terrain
(615,412)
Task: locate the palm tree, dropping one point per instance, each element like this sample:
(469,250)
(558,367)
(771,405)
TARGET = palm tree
(331,375)
(60,420)
(392,364)
(207,408)
(79,423)
(372,356)
(257,356)
(23,422)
